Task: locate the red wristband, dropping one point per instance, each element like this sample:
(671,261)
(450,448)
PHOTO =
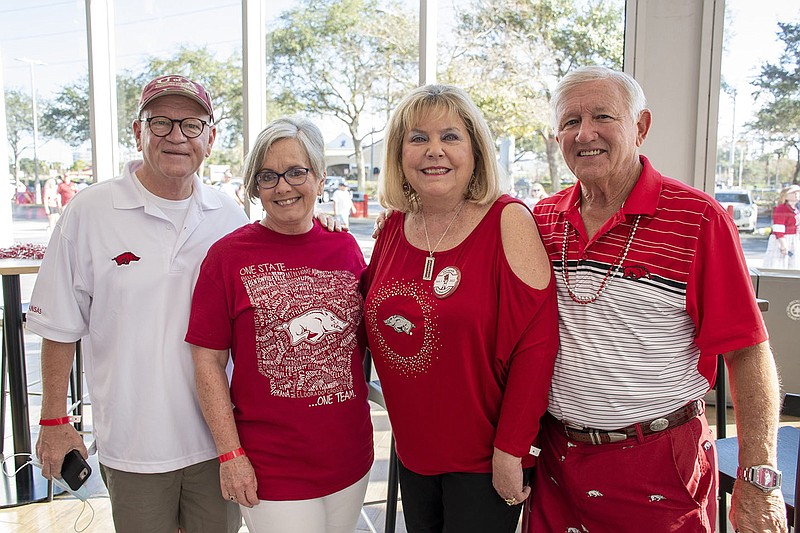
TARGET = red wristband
(231,455)
(55,421)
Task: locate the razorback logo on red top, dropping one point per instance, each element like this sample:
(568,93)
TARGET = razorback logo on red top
(125,258)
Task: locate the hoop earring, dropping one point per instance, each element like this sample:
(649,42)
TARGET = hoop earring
(411,196)
(472,188)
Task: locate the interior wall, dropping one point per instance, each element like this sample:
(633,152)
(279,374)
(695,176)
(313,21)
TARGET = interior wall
(673,48)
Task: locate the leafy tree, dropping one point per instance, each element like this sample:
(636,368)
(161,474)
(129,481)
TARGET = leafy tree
(343,58)
(509,54)
(66,117)
(80,165)
(27,167)
(778,84)
(19,123)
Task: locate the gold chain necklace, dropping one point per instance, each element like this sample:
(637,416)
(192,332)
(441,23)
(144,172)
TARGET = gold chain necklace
(427,272)
(583,300)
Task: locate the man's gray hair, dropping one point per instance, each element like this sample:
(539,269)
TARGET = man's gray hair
(632,92)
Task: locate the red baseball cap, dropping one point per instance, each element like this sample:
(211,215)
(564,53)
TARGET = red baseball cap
(172,84)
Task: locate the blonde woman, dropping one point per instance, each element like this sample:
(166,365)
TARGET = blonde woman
(461,319)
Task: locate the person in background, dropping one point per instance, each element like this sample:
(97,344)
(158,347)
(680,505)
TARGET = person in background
(783,246)
(118,274)
(282,295)
(652,285)
(66,190)
(537,192)
(24,195)
(52,203)
(343,204)
(230,188)
(461,319)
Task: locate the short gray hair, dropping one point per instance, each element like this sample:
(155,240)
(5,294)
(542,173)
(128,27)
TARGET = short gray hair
(302,129)
(632,92)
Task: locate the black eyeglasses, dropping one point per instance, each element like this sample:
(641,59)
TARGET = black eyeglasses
(162,126)
(266,179)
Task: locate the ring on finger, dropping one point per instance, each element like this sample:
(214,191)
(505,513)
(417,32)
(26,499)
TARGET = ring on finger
(511,501)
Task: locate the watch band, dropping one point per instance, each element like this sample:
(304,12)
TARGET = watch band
(764,477)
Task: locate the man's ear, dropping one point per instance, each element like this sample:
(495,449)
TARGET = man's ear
(643,126)
(137,133)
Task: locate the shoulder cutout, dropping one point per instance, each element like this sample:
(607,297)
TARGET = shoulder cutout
(523,246)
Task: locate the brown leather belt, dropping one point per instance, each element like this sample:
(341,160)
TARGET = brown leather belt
(599,436)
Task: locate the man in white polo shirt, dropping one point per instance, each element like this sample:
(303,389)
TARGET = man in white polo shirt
(119,273)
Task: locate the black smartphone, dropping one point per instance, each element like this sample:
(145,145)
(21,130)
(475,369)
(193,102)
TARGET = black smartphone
(75,470)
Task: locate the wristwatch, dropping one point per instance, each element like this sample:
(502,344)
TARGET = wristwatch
(764,477)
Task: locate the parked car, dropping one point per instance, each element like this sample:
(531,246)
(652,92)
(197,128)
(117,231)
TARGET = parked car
(745,210)
(331,184)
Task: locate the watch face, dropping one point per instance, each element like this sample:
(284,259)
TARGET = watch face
(764,477)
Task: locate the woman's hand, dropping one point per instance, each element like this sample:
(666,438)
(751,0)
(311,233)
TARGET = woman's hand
(238,481)
(329,222)
(507,477)
(383,216)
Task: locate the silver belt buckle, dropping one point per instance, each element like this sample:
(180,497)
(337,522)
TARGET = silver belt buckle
(659,424)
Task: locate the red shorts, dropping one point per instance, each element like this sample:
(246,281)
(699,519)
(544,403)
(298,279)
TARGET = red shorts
(665,482)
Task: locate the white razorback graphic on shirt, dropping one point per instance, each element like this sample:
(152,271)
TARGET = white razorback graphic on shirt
(312,326)
(400,324)
(305,330)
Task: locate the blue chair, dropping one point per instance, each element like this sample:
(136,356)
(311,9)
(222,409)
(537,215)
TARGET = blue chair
(728,453)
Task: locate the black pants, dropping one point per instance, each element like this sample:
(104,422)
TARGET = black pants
(455,503)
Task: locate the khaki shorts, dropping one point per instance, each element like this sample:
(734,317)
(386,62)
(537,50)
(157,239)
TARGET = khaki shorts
(189,498)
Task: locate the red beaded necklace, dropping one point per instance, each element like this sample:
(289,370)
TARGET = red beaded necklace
(583,300)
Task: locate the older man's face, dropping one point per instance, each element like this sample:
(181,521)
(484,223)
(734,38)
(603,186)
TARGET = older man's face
(174,157)
(598,138)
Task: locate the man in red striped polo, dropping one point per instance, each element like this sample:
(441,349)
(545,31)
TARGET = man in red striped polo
(652,285)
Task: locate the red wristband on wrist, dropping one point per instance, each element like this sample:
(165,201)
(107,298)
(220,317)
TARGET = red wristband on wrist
(231,455)
(55,421)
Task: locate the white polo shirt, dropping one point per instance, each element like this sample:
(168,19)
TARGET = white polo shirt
(120,275)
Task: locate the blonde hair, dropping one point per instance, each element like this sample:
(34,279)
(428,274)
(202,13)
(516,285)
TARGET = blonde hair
(307,134)
(484,187)
(786,191)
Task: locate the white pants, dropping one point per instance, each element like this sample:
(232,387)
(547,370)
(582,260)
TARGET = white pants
(335,513)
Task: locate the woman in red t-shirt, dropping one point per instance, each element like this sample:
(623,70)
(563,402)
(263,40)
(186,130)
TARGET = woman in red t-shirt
(784,244)
(461,319)
(283,296)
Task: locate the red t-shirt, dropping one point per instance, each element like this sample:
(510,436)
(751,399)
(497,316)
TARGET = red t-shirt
(66,191)
(786,216)
(464,373)
(290,310)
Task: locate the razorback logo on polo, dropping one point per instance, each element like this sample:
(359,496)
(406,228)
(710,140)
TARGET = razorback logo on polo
(125,258)
(636,272)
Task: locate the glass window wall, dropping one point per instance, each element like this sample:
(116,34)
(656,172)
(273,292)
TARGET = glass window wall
(758,151)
